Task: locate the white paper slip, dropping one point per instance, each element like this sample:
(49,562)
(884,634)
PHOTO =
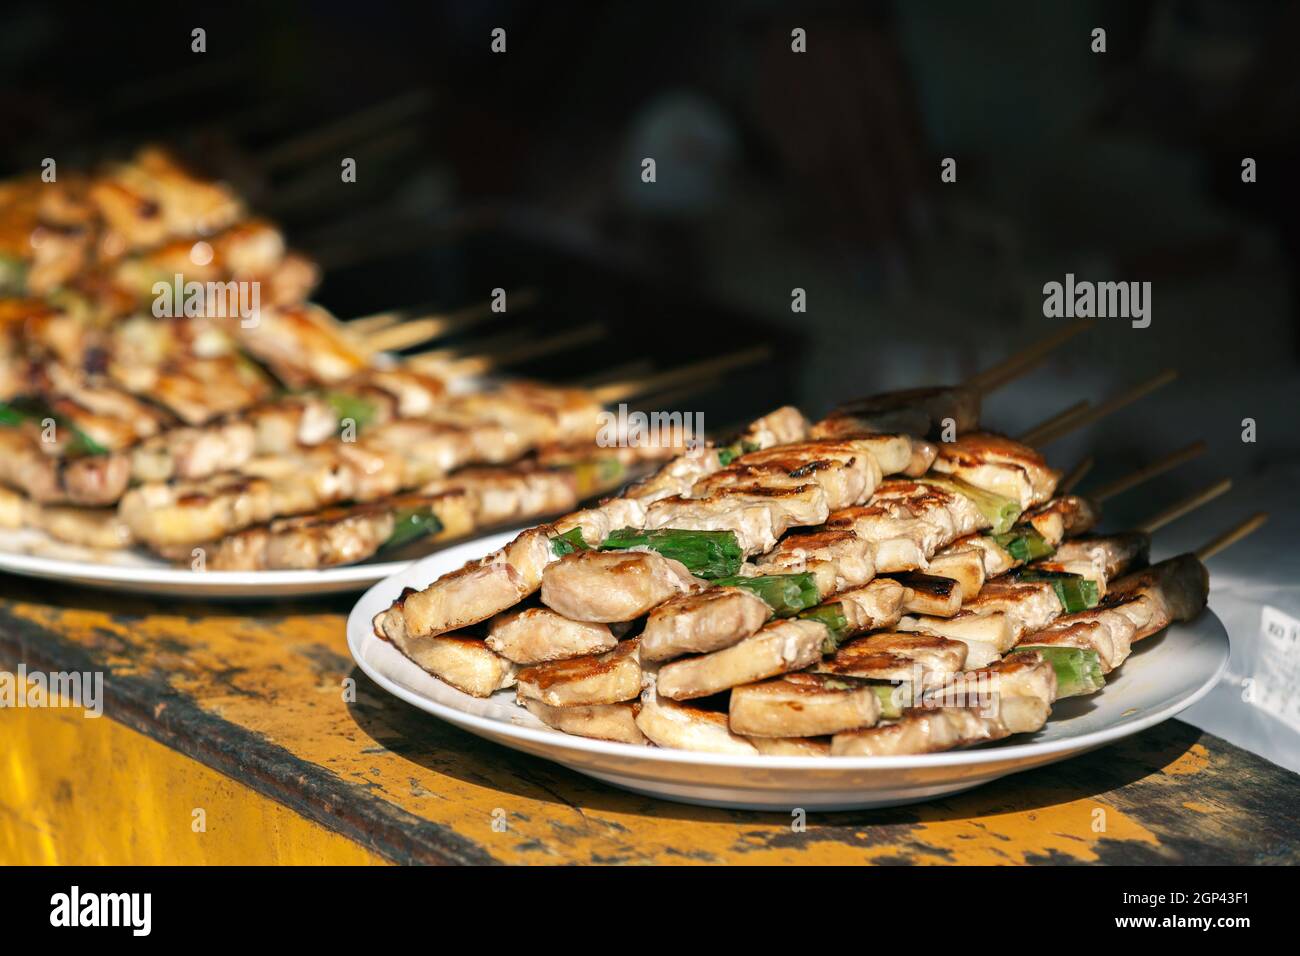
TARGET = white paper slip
(1276,684)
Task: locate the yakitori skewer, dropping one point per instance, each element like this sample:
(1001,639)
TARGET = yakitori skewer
(1139,604)
(1051,431)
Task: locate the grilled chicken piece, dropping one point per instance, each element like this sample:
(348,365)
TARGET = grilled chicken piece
(607,678)
(1109,633)
(190,453)
(963,565)
(96,528)
(610,586)
(916,411)
(1022,674)
(463,661)
(929,730)
(986,636)
(543,414)
(891,453)
(792,746)
(615,722)
(502,495)
(1000,465)
(803,705)
(918,658)
(535,635)
(778,648)
(1100,559)
(839,559)
(844,483)
(668,723)
(703,622)
(91,480)
(928,594)
(12,508)
(151,198)
(1155,597)
(335,536)
(483,588)
(875,605)
(758,516)
(996,560)
(909,521)
(496,583)
(1062,517)
(301,344)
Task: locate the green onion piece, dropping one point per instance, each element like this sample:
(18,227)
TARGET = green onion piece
(786,594)
(1075,592)
(729,453)
(569,542)
(25,409)
(1078,670)
(1024,544)
(412,523)
(1000,511)
(594,475)
(706,554)
(891,698)
(831,616)
(13,274)
(361,410)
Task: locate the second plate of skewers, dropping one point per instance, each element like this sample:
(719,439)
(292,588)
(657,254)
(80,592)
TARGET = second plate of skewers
(1165,675)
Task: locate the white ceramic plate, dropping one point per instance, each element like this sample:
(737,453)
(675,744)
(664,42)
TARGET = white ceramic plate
(1164,675)
(32,553)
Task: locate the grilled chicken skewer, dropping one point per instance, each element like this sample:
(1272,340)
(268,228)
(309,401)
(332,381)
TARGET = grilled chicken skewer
(1066,656)
(716,621)
(473,499)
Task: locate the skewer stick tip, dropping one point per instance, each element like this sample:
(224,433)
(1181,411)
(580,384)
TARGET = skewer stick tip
(1232,535)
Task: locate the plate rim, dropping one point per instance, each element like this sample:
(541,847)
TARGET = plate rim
(359,627)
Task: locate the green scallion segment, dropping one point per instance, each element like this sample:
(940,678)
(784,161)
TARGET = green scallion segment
(706,554)
(569,542)
(31,410)
(831,616)
(1000,511)
(1024,544)
(785,594)
(360,410)
(892,699)
(1075,592)
(411,524)
(1078,670)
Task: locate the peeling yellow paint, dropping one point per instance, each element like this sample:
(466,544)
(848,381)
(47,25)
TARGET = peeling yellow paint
(1193,760)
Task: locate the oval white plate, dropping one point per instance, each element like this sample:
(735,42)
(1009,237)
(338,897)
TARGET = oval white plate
(1164,675)
(34,554)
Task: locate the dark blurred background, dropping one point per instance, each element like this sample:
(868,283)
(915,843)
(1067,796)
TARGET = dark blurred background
(775,170)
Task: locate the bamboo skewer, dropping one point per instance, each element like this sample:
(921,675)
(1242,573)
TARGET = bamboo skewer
(393,336)
(1148,471)
(1232,536)
(1187,505)
(363,123)
(1059,420)
(484,355)
(1026,359)
(606,375)
(1076,475)
(1043,435)
(621,390)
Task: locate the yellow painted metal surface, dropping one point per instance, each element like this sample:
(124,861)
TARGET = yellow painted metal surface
(90,791)
(279,677)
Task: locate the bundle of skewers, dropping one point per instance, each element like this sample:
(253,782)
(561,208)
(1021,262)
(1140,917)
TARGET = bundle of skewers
(278,438)
(890,579)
